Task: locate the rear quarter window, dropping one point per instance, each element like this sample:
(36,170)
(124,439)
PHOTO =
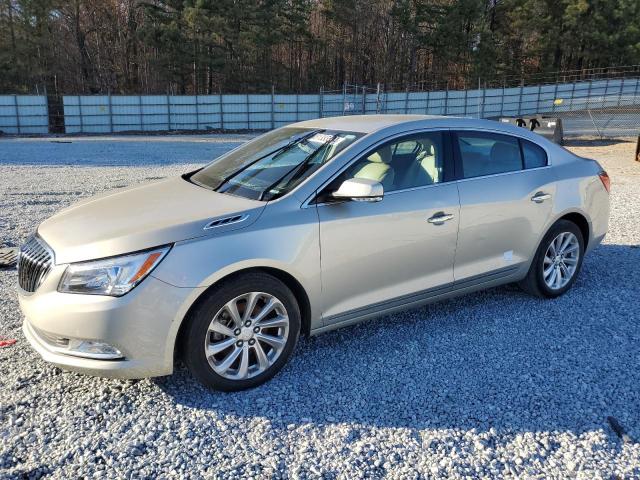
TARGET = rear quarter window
(534,156)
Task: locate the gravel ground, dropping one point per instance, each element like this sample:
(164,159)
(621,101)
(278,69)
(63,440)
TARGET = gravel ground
(494,384)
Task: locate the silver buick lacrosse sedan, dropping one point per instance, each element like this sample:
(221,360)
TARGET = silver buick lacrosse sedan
(307,228)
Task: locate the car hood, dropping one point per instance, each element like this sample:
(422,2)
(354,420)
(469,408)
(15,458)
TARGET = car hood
(142,217)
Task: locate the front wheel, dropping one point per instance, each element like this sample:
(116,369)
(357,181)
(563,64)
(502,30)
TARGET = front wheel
(557,261)
(243,333)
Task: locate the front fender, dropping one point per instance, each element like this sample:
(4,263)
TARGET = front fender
(281,239)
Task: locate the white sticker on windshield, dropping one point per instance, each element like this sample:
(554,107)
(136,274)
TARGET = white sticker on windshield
(324,138)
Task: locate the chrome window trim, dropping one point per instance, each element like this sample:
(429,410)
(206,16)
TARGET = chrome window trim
(404,190)
(509,134)
(524,170)
(307,202)
(422,187)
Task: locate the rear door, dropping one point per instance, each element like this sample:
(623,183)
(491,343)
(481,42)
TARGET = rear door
(506,198)
(375,255)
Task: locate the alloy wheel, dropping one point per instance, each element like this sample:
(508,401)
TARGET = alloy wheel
(247,335)
(561,260)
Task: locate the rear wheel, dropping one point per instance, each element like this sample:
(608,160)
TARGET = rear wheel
(243,333)
(557,261)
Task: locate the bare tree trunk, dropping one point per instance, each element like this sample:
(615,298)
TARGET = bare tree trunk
(133,65)
(81,43)
(12,32)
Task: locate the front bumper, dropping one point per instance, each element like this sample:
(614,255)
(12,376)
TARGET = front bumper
(142,325)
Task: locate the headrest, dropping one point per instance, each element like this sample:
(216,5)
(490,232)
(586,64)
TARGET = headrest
(375,157)
(382,155)
(429,148)
(504,151)
(428,151)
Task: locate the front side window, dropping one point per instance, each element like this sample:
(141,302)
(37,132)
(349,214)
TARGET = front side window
(413,161)
(483,153)
(273,164)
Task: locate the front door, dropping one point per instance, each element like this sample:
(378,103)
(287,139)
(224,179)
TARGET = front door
(376,253)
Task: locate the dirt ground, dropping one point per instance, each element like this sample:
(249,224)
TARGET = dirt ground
(616,156)
(495,384)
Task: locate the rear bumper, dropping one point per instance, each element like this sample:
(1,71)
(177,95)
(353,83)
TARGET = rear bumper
(599,209)
(142,325)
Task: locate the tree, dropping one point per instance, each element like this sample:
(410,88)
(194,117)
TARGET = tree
(208,46)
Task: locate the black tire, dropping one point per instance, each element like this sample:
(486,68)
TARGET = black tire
(199,319)
(534,283)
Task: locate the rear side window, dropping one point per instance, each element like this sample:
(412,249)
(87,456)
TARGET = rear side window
(483,153)
(534,156)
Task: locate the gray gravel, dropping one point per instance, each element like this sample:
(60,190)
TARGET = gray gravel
(495,384)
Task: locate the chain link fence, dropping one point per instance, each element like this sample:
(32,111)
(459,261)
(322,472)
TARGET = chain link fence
(602,122)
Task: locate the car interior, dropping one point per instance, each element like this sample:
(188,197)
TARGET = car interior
(377,166)
(484,156)
(407,164)
(418,161)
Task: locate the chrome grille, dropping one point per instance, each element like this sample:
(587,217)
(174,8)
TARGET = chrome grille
(34,262)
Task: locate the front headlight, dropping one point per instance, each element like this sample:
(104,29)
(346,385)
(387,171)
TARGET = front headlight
(111,276)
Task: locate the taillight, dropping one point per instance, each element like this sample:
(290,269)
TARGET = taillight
(606,181)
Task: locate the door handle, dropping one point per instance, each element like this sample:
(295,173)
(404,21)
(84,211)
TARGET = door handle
(540,197)
(439,218)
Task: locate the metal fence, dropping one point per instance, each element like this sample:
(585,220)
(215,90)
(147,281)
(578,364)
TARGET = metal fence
(601,107)
(24,114)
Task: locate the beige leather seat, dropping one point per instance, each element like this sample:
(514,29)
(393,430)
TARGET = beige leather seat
(427,161)
(422,170)
(377,168)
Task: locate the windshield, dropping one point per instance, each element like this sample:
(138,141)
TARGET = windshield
(273,164)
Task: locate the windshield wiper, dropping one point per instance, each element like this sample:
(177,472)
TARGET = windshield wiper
(277,151)
(297,171)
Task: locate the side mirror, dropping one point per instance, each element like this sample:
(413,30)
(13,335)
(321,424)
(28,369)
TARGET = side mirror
(360,190)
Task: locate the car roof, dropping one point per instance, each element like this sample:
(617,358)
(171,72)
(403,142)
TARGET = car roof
(363,123)
(373,123)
